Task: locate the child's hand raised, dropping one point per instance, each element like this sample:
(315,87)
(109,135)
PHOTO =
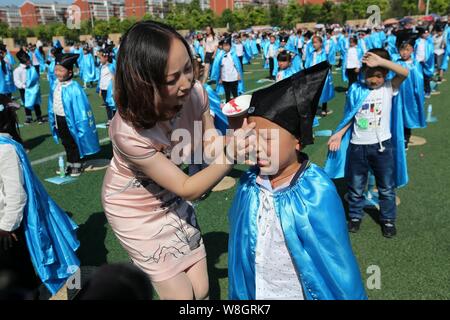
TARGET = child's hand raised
(372,60)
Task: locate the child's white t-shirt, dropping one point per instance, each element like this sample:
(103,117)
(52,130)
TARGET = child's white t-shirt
(372,123)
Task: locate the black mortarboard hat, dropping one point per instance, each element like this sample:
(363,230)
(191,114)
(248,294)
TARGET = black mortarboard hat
(67,60)
(2,47)
(227,40)
(284,38)
(22,56)
(405,36)
(421,30)
(292,102)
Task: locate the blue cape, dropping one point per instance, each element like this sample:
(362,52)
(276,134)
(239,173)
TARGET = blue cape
(390,44)
(79,117)
(254,47)
(247,52)
(336,162)
(266,54)
(328,89)
(51,72)
(7,80)
(428,64)
(49,232)
(412,96)
(110,93)
(87,68)
(220,120)
(332,50)
(32,89)
(313,222)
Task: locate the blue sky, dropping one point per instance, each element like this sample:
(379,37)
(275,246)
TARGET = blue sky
(19,2)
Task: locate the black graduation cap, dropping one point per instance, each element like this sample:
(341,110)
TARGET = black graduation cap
(284,38)
(227,40)
(405,36)
(292,102)
(308,34)
(2,47)
(22,56)
(67,60)
(421,30)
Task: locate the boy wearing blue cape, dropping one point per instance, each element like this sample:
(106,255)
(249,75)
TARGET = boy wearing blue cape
(26,79)
(370,137)
(411,93)
(288,236)
(70,116)
(105,86)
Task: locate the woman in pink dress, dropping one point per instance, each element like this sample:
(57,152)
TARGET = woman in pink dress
(145,194)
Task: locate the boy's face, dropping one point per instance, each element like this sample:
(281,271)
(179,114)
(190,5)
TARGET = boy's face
(405,52)
(272,39)
(62,73)
(317,44)
(226,47)
(276,147)
(103,59)
(375,77)
(282,65)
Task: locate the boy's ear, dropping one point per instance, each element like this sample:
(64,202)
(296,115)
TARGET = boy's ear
(298,146)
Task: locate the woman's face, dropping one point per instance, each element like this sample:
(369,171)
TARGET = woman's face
(178,80)
(317,44)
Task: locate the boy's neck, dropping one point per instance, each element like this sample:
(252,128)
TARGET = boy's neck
(283,176)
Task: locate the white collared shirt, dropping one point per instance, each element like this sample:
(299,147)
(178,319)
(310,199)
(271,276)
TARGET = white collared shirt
(275,274)
(420,52)
(58,106)
(20,76)
(229,72)
(13,196)
(352,58)
(105,77)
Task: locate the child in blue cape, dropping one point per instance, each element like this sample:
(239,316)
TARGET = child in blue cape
(7,86)
(424,54)
(70,116)
(285,69)
(26,79)
(227,72)
(411,93)
(87,68)
(288,236)
(105,85)
(37,239)
(313,58)
(370,137)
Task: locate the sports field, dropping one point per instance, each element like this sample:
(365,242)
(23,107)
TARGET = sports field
(414,265)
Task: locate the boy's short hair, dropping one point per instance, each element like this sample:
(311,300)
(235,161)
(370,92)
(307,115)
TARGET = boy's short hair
(284,56)
(354,40)
(383,53)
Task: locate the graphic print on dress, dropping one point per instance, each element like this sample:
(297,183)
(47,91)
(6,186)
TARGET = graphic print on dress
(188,236)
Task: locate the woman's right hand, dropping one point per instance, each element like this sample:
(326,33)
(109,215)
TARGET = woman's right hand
(334,143)
(242,143)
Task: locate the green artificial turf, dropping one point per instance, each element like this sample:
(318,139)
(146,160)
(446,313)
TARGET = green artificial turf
(414,265)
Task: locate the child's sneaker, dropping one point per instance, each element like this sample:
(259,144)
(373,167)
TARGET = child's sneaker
(67,171)
(388,228)
(28,122)
(354,224)
(76,171)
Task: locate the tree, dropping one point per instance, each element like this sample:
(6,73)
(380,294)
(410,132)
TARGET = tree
(3,29)
(440,7)
(227,18)
(275,13)
(326,12)
(292,14)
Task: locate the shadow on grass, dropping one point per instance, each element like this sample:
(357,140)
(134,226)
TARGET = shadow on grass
(30,144)
(216,243)
(340,89)
(92,234)
(341,186)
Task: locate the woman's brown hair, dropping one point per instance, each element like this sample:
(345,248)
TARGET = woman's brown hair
(141,67)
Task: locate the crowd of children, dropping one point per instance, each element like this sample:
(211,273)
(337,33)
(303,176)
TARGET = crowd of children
(287,228)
